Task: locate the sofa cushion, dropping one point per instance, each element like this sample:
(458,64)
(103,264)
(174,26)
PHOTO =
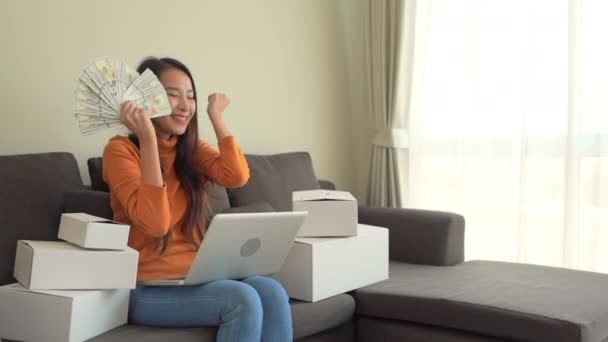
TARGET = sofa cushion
(95,166)
(218,198)
(31,200)
(506,300)
(308,319)
(261,207)
(273,178)
(139,333)
(380,329)
(95,203)
(311,318)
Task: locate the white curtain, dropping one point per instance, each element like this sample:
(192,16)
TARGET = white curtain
(388,56)
(509,126)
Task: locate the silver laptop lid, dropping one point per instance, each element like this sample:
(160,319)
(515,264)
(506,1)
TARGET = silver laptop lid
(237,246)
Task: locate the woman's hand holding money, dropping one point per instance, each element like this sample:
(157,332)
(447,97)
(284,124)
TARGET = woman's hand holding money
(137,120)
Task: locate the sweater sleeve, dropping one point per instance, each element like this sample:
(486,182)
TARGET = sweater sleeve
(228,166)
(146,205)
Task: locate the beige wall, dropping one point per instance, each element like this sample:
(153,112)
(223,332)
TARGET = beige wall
(352,15)
(286,64)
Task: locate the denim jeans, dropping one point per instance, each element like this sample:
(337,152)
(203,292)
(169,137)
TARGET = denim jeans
(254,309)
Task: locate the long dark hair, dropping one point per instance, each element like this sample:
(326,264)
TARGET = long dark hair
(188,171)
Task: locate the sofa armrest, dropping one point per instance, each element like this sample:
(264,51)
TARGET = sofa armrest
(419,236)
(326,185)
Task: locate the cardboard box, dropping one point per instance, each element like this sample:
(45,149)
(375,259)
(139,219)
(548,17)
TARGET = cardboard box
(330,213)
(58,265)
(318,268)
(90,231)
(60,316)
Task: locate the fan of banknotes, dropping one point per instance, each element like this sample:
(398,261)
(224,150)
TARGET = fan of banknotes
(105,84)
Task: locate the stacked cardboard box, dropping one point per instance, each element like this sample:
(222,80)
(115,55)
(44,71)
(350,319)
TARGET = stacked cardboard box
(333,254)
(70,291)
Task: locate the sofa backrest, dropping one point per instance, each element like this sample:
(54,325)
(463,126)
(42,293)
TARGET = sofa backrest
(36,187)
(272,180)
(32,188)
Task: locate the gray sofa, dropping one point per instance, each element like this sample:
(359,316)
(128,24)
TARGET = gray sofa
(431,295)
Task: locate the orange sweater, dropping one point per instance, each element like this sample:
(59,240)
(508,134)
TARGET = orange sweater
(152,211)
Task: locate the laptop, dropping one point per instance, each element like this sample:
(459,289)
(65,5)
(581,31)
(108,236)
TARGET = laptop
(237,246)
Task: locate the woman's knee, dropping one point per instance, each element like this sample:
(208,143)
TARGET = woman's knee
(243,297)
(268,288)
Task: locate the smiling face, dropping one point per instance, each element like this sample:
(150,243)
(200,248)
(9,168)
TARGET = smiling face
(183,105)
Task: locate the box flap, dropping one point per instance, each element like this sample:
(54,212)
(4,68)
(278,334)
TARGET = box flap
(22,270)
(319,240)
(322,195)
(362,231)
(56,293)
(51,245)
(62,247)
(90,218)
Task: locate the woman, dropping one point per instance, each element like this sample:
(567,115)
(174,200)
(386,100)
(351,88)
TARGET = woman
(157,178)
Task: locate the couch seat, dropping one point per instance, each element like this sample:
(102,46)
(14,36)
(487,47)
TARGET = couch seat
(506,300)
(308,319)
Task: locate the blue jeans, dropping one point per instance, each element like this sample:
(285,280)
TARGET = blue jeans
(254,309)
